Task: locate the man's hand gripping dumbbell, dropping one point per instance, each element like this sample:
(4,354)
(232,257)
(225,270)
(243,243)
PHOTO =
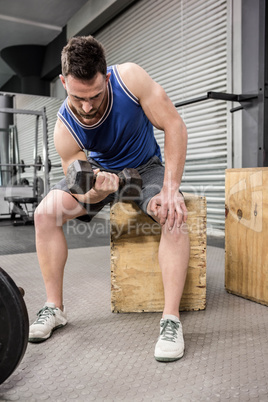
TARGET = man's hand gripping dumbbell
(81,178)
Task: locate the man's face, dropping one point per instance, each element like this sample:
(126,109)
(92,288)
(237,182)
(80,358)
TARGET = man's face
(87,98)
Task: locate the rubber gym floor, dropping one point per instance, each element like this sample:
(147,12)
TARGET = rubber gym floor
(102,356)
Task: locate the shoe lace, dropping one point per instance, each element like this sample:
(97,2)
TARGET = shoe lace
(44,314)
(169,330)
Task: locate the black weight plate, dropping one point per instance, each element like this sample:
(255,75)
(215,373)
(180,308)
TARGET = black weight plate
(38,186)
(14,326)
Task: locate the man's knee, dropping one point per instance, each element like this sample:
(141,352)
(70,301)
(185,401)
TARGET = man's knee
(42,215)
(50,209)
(58,206)
(176,234)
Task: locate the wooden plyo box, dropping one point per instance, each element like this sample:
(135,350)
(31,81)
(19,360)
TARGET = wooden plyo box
(136,280)
(246,233)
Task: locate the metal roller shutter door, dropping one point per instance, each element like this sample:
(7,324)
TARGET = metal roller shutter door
(182,44)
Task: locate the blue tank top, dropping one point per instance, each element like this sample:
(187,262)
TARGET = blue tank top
(123,137)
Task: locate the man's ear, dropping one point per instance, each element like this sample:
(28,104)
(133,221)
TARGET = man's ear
(108,77)
(63,81)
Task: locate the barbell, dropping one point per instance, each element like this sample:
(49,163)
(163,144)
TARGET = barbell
(14,326)
(38,164)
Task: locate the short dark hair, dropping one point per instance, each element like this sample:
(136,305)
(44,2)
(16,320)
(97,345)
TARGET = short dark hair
(83,57)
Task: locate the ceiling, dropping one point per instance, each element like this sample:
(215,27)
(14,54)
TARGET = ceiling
(32,22)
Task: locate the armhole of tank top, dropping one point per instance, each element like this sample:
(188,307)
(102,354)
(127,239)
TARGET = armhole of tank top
(71,131)
(124,87)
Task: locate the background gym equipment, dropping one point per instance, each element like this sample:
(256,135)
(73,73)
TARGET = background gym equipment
(13,170)
(18,206)
(14,326)
(246,230)
(81,178)
(136,278)
(38,164)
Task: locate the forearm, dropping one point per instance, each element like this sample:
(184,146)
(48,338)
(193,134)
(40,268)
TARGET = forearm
(169,204)
(91,197)
(175,154)
(105,184)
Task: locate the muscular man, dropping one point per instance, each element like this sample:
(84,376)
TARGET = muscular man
(111,113)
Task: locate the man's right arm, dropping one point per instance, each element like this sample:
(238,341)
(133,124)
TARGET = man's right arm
(69,151)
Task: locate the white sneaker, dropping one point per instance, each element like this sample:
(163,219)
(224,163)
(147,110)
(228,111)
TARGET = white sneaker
(170,344)
(48,319)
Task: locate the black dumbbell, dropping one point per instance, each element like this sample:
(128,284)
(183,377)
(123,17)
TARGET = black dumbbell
(80,179)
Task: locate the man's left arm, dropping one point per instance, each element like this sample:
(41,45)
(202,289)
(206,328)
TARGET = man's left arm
(169,203)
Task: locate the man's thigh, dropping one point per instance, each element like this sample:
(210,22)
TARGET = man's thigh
(152,174)
(90,209)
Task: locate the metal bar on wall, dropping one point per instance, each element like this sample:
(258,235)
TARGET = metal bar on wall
(45,151)
(263,76)
(20,111)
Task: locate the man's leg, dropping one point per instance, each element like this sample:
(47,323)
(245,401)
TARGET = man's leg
(173,254)
(174,245)
(56,208)
(174,251)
